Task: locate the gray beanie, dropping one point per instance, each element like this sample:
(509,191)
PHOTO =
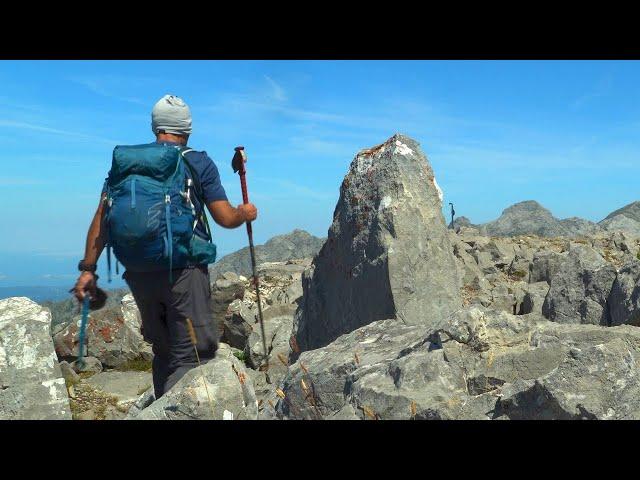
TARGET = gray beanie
(172,115)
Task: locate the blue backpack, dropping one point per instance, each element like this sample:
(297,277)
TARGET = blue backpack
(150,219)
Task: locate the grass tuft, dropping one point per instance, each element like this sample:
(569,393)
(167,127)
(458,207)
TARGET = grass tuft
(135,365)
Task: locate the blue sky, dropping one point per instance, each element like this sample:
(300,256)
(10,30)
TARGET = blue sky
(564,133)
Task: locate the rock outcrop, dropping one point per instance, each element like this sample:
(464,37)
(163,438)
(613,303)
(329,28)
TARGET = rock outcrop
(113,336)
(387,255)
(480,364)
(31,383)
(544,265)
(221,389)
(624,299)
(580,288)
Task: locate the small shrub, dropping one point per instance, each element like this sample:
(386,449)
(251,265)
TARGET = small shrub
(519,274)
(239,355)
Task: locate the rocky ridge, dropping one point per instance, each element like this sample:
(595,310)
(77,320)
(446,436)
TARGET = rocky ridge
(517,327)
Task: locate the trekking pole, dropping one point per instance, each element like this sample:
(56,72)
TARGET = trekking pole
(83,328)
(237,163)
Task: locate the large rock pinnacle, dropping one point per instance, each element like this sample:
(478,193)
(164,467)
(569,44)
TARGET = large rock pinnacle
(387,254)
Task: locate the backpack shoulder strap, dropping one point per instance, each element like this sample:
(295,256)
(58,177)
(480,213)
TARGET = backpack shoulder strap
(192,172)
(198,190)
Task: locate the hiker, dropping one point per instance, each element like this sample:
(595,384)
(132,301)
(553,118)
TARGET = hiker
(166,269)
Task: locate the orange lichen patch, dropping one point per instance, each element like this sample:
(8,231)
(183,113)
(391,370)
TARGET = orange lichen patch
(372,150)
(294,344)
(106,334)
(368,411)
(241,376)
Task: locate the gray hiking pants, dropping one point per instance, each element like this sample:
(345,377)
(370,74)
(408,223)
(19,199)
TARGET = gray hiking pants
(164,308)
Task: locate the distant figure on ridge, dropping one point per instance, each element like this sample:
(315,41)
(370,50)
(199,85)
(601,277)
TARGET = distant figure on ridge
(151,212)
(453,214)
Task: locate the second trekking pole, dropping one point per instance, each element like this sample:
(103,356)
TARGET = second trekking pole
(237,163)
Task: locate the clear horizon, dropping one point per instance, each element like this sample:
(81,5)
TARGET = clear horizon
(563,133)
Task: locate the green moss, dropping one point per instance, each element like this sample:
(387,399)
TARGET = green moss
(638,255)
(519,274)
(239,355)
(136,365)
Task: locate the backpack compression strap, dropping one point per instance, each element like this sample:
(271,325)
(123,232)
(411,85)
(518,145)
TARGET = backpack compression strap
(202,216)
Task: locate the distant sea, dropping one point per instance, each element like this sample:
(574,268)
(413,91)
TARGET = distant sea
(37,294)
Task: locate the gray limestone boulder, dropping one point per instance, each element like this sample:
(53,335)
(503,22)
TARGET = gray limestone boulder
(220,389)
(535,294)
(68,373)
(31,383)
(87,365)
(624,298)
(479,364)
(278,325)
(388,236)
(227,288)
(125,387)
(579,290)
(113,336)
(545,265)
(239,322)
(318,384)
(595,381)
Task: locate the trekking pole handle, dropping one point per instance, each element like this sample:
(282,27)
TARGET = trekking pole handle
(237,163)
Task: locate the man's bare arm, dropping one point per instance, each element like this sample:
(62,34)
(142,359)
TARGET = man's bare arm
(229,217)
(93,248)
(95,236)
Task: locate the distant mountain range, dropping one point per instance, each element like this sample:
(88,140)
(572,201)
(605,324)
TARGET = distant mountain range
(294,245)
(531,218)
(524,218)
